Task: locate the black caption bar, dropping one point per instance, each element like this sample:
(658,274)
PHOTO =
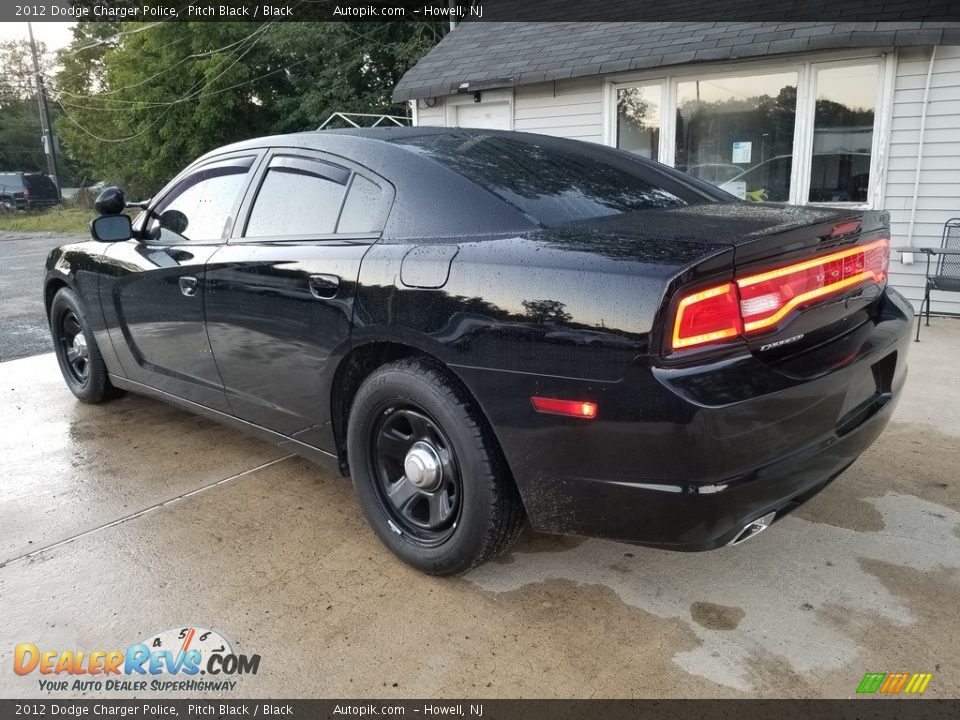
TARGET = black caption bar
(905,11)
(915,709)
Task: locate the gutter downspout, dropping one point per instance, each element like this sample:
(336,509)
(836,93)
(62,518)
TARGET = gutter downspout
(923,130)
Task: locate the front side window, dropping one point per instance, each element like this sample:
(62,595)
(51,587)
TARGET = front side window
(843,133)
(298,196)
(737,133)
(199,207)
(638,120)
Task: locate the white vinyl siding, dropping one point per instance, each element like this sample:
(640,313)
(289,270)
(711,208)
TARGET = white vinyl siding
(574,108)
(430,116)
(938,198)
(565,108)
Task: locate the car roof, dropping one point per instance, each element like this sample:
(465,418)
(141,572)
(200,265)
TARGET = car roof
(433,199)
(393,137)
(430,200)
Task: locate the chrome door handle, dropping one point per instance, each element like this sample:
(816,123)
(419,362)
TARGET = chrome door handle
(189,285)
(324,287)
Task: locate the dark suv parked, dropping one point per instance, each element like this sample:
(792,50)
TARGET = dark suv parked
(27,191)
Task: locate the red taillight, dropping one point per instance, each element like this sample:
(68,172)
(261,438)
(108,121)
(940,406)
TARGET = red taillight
(573,408)
(768,297)
(758,303)
(707,316)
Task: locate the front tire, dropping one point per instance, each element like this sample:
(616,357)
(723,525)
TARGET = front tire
(427,471)
(77,353)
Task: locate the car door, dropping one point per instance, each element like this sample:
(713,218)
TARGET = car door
(279,295)
(152,290)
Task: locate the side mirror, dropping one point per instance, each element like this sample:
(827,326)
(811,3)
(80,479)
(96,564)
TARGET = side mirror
(111,228)
(111,201)
(173,220)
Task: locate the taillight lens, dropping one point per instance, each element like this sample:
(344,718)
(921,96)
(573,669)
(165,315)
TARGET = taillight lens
(757,303)
(767,298)
(707,316)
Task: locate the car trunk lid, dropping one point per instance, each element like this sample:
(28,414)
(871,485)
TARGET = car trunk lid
(781,250)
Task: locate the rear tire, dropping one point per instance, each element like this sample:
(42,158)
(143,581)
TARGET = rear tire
(429,476)
(77,353)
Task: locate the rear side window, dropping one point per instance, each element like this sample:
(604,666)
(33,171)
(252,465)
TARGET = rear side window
(41,187)
(298,196)
(551,184)
(361,212)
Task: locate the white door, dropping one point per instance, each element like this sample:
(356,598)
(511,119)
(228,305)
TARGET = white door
(492,116)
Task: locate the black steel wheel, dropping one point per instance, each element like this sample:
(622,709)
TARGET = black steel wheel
(418,477)
(77,353)
(428,472)
(73,344)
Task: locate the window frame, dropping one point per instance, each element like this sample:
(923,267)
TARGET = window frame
(806,66)
(142,221)
(238,236)
(614,115)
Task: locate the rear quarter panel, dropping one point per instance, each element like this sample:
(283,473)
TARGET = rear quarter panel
(548,303)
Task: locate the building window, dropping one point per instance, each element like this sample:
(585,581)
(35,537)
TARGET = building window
(737,132)
(843,134)
(737,129)
(638,120)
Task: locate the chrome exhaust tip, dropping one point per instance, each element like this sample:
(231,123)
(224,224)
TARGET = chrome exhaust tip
(753,528)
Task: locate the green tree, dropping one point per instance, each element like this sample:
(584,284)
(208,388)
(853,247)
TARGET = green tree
(141,100)
(20,145)
(348,67)
(139,105)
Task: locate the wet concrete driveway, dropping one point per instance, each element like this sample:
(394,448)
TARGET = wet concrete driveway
(126,518)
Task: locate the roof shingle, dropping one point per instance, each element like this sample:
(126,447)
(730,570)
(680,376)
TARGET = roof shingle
(507,54)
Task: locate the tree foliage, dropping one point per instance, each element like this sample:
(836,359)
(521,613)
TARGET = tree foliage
(347,67)
(20,145)
(142,100)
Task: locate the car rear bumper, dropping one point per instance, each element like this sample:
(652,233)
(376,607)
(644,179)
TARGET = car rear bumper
(40,204)
(661,467)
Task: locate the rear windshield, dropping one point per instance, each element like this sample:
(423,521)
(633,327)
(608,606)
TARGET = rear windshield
(551,184)
(41,187)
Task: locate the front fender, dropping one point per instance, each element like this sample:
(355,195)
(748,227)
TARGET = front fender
(78,266)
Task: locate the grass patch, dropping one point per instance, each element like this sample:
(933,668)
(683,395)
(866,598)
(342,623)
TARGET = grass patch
(63,220)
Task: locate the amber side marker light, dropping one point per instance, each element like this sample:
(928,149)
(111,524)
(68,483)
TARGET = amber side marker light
(759,302)
(570,408)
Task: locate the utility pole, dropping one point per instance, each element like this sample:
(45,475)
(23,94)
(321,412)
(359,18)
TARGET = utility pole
(48,140)
(452,4)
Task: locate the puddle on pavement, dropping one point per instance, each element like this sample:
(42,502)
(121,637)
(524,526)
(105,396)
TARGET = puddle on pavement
(716,617)
(810,577)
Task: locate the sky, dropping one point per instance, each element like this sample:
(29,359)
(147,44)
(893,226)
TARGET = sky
(54,34)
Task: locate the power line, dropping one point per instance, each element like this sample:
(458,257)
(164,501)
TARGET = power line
(56,78)
(148,103)
(122,33)
(192,94)
(192,56)
(157,119)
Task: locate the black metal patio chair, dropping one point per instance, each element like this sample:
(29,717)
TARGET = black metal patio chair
(946,278)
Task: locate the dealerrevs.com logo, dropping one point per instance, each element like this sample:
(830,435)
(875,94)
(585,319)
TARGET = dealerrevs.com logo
(189,659)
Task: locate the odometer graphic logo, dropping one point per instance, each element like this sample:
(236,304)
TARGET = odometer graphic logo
(187,658)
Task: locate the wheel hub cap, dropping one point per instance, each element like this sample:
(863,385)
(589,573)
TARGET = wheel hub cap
(422,466)
(80,345)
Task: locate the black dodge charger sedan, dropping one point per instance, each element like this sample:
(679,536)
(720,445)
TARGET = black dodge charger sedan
(478,326)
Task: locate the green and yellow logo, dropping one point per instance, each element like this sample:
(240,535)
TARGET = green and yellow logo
(894,683)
